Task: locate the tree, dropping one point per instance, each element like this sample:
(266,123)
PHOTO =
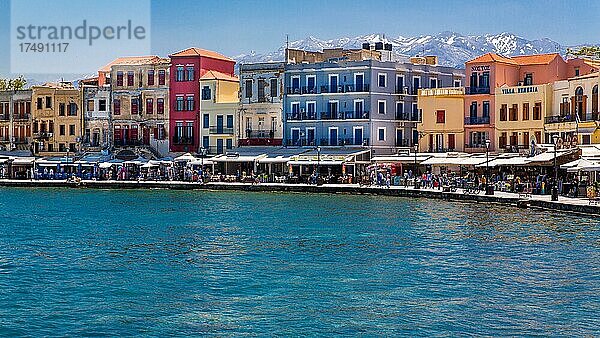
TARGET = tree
(13,84)
(589,51)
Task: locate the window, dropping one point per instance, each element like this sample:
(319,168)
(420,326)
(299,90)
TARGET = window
(160,106)
(456,83)
(149,106)
(161,77)
(190,103)
(381,134)
(90,105)
(120,79)
(179,103)
(381,106)
(229,143)
(50,126)
(230,121)
(117,106)
(525,111)
(39,103)
(61,130)
(514,113)
(433,83)
(273,88)
(537,111)
(61,109)
(441,116)
(503,109)
(248,88)
(205,121)
(102,105)
(382,80)
(399,110)
(595,101)
(71,130)
(150,77)
(486,109)
(48,102)
(129,79)
(72,109)
(134,106)
(190,73)
(576,71)
(179,74)
(206,95)
(528,79)
(61,147)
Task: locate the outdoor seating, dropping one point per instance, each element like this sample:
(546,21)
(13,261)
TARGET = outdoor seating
(526,191)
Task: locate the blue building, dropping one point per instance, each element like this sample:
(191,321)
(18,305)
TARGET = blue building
(357,98)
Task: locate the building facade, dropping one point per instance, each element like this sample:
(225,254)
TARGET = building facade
(441,128)
(140,104)
(15,120)
(97,130)
(358,103)
(57,121)
(261,104)
(489,72)
(574,117)
(184,91)
(219,109)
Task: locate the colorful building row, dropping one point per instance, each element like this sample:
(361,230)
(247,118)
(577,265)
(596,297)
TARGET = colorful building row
(513,102)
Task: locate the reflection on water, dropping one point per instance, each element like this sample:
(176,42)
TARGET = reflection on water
(159,263)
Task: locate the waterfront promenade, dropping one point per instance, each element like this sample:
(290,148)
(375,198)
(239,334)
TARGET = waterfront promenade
(575,205)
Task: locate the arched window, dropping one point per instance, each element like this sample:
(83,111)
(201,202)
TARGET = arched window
(595,102)
(579,107)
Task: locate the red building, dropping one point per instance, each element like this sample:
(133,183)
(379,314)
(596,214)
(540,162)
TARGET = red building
(187,66)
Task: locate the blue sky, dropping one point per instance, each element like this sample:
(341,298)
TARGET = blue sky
(236,26)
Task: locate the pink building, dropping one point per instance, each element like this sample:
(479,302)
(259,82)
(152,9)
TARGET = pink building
(187,66)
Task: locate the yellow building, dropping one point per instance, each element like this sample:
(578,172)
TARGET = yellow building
(219,110)
(442,126)
(520,114)
(57,119)
(574,117)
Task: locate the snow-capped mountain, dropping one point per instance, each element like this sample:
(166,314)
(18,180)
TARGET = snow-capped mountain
(453,49)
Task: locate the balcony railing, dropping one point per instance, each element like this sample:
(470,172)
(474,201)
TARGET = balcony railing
(477,120)
(42,135)
(301,116)
(346,88)
(21,140)
(403,90)
(264,99)
(4,117)
(183,140)
(348,115)
(251,133)
(559,119)
(326,142)
(403,143)
(477,90)
(475,145)
(414,117)
(128,142)
(21,117)
(220,130)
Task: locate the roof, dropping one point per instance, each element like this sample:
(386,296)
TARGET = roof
(537,59)
(492,57)
(215,75)
(55,85)
(195,51)
(133,60)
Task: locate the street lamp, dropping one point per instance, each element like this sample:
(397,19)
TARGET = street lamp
(416,146)
(555,185)
(318,165)
(489,190)
(202,155)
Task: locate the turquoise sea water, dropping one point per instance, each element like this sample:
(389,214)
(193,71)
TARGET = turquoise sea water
(90,262)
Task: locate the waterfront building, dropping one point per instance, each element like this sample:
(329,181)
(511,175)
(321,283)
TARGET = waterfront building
(441,128)
(57,122)
(357,98)
(15,120)
(219,108)
(491,71)
(96,107)
(261,104)
(574,117)
(140,104)
(186,68)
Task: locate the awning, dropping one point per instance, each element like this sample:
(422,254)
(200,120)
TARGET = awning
(401,159)
(310,162)
(549,156)
(200,162)
(461,160)
(586,130)
(185,158)
(278,159)
(22,160)
(505,161)
(225,158)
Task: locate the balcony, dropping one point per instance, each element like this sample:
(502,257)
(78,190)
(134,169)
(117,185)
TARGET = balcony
(301,116)
(260,133)
(414,117)
(347,88)
(263,99)
(21,117)
(183,140)
(21,140)
(477,90)
(341,142)
(403,90)
(477,120)
(348,115)
(220,131)
(42,135)
(4,117)
(128,143)
(403,143)
(559,119)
